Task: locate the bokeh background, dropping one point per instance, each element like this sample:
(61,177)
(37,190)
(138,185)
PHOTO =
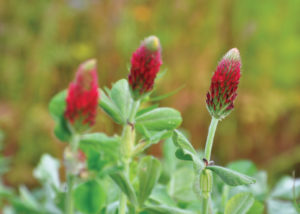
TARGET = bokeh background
(43,41)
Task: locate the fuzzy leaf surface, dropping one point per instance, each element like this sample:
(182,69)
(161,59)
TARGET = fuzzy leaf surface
(148,174)
(230,177)
(239,204)
(89,197)
(124,184)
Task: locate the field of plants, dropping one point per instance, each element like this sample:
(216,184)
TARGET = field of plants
(149,107)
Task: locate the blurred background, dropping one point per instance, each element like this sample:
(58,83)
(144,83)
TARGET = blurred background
(43,41)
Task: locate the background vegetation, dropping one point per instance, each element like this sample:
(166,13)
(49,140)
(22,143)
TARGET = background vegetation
(42,42)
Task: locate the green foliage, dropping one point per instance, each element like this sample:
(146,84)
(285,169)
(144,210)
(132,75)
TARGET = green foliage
(117,102)
(186,151)
(148,174)
(257,208)
(159,119)
(231,177)
(158,124)
(124,184)
(161,209)
(89,197)
(57,108)
(239,204)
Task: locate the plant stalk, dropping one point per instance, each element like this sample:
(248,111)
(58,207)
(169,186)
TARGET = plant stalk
(210,138)
(69,198)
(207,153)
(69,204)
(205,205)
(128,140)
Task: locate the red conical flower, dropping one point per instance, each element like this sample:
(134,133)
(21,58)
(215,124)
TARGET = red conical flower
(145,64)
(83,96)
(224,84)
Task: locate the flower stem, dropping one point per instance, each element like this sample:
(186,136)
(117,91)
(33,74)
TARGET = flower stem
(69,204)
(207,152)
(69,198)
(128,140)
(205,205)
(210,137)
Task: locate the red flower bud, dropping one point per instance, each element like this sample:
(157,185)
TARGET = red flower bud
(82,98)
(224,84)
(145,64)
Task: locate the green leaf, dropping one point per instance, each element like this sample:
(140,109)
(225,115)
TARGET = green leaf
(108,146)
(163,209)
(160,195)
(120,95)
(28,198)
(279,206)
(57,108)
(89,197)
(57,104)
(147,109)
(148,174)
(186,151)
(284,189)
(243,166)
(181,184)
(108,106)
(117,103)
(257,208)
(124,184)
(152,137)
(48,170)
(231,177)
(161,97)
(158,119)
(239,204)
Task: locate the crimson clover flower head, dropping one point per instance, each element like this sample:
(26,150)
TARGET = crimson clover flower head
(224,84)
(145,64)
(82,98)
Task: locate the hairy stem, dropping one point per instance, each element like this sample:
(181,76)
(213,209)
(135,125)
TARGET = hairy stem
(210,137)
(69,204)
(128,140)
(207,152)
(69,198)
(205,205)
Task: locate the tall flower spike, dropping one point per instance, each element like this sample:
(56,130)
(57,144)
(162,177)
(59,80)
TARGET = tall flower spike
(83,96)
(145,64)
(224,84)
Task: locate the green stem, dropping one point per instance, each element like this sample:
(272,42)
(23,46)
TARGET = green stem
(210,137)
(128,140)
(69,204)
(205,205)
(69,199)
(207,152)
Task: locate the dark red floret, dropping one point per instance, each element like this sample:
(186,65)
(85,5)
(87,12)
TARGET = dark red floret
(145,64)
(224,84)
(83,95)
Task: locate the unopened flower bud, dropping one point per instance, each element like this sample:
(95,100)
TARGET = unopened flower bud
(145,64)
(224,84)
(83,96)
